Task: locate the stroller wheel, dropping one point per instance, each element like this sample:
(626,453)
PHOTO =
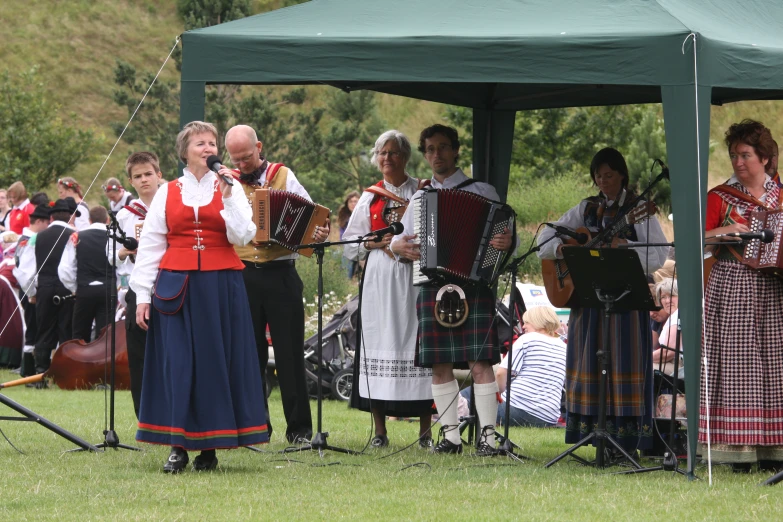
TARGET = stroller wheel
(342,384)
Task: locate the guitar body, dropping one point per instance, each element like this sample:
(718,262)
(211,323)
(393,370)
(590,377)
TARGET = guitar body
(557,279)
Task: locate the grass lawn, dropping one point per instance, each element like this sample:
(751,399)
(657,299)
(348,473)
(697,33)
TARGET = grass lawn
(47,483)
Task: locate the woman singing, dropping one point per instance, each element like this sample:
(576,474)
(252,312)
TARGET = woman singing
(743,333)
(630,390)
(201,388)
(386,381)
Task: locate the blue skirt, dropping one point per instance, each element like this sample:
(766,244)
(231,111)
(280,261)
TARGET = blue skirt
(202,385)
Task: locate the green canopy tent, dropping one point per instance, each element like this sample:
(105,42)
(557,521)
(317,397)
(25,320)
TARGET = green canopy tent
(507,55)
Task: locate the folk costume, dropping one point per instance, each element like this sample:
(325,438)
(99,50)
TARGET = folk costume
(54,320)
(85,271)
(630,387)
(475,340)
(742,340)
(19,217)
(131,220)
(385,372)
(13,333)
(201,383)
(275,289)
(24,273)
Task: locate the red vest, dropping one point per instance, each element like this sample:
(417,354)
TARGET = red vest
(197,245)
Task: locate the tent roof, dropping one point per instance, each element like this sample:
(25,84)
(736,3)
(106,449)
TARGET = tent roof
(507,54)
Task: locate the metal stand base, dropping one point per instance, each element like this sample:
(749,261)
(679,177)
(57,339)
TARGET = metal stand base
(31,416)
(774,479)
(319,443)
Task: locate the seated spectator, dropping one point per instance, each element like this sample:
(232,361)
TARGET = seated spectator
(537,372)
(667,295)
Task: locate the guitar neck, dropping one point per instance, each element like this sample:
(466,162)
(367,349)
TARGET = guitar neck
(608,234)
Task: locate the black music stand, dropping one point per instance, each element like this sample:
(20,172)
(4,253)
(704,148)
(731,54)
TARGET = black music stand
(612,280)
(319,439)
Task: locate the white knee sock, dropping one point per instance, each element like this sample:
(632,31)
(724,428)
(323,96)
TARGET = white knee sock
(487,408)
(445,396)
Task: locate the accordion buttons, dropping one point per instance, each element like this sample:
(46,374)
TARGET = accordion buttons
(375,216)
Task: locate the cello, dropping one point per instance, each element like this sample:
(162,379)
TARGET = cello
(77,365)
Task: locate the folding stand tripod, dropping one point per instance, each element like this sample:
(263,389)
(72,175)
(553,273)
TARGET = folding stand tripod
(110,437)
(31,416)
(611,279)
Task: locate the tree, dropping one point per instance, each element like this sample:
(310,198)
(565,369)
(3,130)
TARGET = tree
(36,145)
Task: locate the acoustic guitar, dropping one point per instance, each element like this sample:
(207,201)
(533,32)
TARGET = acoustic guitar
(557,280)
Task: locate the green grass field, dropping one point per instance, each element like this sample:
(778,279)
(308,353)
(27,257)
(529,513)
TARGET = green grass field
(48,483)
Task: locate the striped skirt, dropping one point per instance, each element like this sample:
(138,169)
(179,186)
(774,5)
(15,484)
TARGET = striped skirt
(630,383)
(743,344)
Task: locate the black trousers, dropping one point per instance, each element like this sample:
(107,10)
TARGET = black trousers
(89,306)
(274,292)
(136,340)
(30,336)
(54,323)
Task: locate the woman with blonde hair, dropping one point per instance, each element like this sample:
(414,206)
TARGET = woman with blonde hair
(667,295)
(201,386)
(537,372)
(67,187)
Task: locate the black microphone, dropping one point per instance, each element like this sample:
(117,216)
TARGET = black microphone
(213,162)
(131,243)
(578,236)
(766,235)
(394,228)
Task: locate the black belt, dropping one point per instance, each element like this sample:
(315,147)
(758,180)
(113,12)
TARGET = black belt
(279,263)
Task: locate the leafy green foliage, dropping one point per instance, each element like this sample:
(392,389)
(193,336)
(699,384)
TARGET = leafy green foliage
(36,145)
(206,13)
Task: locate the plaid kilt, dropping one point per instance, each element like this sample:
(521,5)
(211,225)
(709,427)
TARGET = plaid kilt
(629,403)
(743,343)
(475,340)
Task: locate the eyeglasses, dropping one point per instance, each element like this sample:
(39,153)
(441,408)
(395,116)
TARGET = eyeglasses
(389,154)
(443,147)
(244,159)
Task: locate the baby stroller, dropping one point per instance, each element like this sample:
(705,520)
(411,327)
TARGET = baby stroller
(339,344)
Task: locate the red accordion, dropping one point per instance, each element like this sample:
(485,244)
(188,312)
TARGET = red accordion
(455,227)
(765,257)
(286,219)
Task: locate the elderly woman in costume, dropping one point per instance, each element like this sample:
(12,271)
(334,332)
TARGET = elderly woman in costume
(201,384)
(743,332)
(386,380)
(629,403)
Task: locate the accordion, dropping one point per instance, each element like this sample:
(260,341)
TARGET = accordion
(765,257)
(286,219)
(455,227)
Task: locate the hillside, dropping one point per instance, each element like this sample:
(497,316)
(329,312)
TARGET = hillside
(76,44)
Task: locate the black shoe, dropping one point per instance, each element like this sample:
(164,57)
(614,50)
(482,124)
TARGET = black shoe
(178,459)
(379,441)
(613,457)
(741,467)
(426,443)
(41,385)
(774,466)
(298,438)
(484,449)
(205,461)
(447,447)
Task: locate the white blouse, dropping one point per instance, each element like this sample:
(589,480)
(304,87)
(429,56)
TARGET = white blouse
(236,212)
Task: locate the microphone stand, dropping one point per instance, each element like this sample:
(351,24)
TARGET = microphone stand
(110,438)
(319,441)
(506,446)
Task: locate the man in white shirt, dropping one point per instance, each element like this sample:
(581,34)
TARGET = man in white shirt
(472,344)
(54,320)
(85,271)
(273,286)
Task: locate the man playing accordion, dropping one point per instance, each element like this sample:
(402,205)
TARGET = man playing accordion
(472,344)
